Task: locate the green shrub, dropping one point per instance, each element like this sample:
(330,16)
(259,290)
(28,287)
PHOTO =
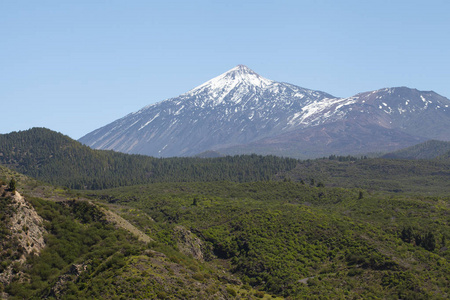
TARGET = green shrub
(231,292)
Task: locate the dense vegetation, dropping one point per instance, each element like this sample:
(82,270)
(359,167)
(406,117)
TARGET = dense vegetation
(89,256)
(431,177)
(57,159)
(295,240)
(338,227)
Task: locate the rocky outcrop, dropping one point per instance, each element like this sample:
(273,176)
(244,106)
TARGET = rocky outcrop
(72,275)
(188,243)
(28,226)
(26,234)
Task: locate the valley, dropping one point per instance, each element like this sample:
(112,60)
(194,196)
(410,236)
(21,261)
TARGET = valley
(225,150)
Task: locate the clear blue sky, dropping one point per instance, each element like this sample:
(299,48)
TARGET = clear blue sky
(74,66)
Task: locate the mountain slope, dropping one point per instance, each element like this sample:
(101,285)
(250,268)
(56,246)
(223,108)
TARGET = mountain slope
(428,150)
(380,121)
(242,112)
(418,113)
(342,137)
(236,107)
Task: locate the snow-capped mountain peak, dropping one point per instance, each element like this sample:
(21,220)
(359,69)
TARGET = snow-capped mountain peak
(238,75)
(239,80)
(240,109)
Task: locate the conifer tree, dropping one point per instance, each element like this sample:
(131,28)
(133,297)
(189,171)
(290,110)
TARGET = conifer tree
(12,185)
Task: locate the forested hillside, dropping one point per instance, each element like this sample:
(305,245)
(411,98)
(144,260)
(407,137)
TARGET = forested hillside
(444,157)
(57,159)
(430,177)
(427,150)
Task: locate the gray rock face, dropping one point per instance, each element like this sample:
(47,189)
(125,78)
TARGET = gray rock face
(27,224)
(188,243)
(242,112)
(60,287)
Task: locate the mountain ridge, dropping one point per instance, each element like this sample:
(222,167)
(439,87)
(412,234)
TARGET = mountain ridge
(239,108)
(428,150)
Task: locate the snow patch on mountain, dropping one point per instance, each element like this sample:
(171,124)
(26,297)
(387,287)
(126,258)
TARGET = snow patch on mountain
(151,120)
(320,111)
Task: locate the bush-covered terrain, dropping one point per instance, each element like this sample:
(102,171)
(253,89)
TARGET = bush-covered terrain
(242,227)
(295,240)
(86,256)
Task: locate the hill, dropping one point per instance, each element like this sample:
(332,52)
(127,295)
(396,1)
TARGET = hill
(444,157)
(427,150)
(425,177)
(57,246)
(226,240)
(57,159)
(302,241)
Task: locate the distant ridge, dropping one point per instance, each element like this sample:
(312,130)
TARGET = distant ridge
(427,150)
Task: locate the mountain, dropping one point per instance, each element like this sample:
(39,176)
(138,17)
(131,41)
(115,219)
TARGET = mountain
(380,121)
(234,108)
(241,112)
(428,150)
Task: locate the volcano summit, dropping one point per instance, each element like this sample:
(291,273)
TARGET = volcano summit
(243,112)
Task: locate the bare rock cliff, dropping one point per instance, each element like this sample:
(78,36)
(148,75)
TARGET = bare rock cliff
(26,234)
